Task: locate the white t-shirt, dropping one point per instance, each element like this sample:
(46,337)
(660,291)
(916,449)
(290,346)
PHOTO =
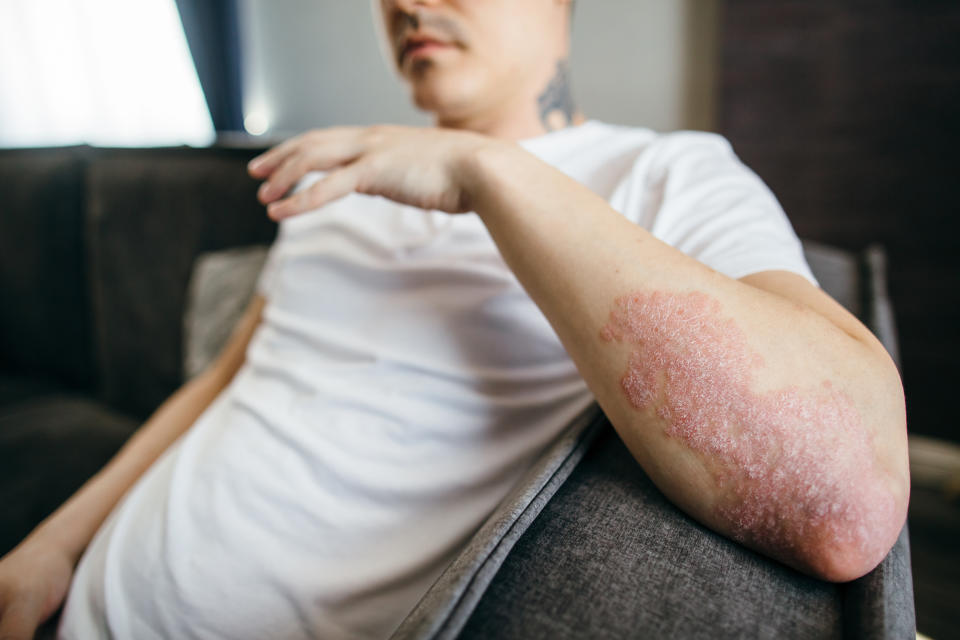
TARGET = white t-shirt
(400,383)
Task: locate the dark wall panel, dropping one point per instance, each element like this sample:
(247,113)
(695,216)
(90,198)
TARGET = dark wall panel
(851,112)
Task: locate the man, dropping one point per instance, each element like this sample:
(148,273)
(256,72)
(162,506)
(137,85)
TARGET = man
(438,304)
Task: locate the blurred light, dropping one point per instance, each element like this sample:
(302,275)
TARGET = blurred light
(256,123)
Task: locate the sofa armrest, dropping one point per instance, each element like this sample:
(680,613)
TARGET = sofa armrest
(602,553)
(450,601)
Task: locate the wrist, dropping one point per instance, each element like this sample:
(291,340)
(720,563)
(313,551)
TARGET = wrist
(483,168)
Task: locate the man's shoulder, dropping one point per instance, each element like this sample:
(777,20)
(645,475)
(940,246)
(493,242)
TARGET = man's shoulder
(666,145)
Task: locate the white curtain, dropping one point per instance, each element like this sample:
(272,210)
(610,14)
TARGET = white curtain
(102,72)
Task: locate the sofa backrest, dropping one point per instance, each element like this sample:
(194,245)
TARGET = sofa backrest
(150,213)
(96,248)
(45,324)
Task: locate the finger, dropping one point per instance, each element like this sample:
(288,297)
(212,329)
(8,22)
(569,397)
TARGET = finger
(265,163)
(20,619)
(321,155)
(333,186)
(282,179)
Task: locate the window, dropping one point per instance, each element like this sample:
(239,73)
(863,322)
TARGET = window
(103,72)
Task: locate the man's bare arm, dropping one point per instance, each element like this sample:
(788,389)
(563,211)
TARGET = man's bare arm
(758,406)
(29,593)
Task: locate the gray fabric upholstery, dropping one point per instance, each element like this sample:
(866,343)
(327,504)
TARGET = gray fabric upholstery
(859,283)
(96,246)
(221,286)
(610,557)
(45,325)
(150,214)
(878,309)
(14,389)
(880,604)
(444,609)
(838,273)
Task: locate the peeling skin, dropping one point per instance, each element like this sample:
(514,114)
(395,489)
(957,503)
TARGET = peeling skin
(791,463)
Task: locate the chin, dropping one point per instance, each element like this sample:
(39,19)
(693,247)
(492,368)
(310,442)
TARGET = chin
(447,93)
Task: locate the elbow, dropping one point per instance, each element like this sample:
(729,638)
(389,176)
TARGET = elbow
(849,548)
(840,563)
(874,506)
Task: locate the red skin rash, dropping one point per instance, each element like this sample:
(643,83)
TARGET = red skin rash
(792,461)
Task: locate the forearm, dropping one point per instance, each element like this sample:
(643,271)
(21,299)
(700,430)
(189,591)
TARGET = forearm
(753,413)
(72,526)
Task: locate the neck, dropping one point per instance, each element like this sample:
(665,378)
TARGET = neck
(527,116)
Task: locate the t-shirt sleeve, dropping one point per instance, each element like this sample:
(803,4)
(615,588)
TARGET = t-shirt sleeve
(701,199)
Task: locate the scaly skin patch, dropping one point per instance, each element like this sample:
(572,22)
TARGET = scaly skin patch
(796,464)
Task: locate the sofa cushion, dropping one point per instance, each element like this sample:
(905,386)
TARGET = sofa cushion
(44,317)
(838,272)
(221,286)
(15,388)
(49,446)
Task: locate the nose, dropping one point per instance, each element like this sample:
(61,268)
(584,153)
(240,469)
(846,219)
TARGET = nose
(401,14)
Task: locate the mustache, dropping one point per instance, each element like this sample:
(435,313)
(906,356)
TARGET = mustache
(403,23)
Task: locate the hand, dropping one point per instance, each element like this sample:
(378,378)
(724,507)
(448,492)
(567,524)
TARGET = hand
(421,167)
(34,579)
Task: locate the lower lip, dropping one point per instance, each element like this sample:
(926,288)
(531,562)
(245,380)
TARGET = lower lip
(425,49)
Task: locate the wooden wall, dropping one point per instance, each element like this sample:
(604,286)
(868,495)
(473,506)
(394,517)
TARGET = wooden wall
(851,113)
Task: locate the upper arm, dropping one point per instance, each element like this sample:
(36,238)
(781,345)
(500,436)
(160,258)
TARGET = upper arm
(232,356)
(798,289)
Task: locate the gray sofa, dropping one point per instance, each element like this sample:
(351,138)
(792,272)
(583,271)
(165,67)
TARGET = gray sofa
(96,251)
